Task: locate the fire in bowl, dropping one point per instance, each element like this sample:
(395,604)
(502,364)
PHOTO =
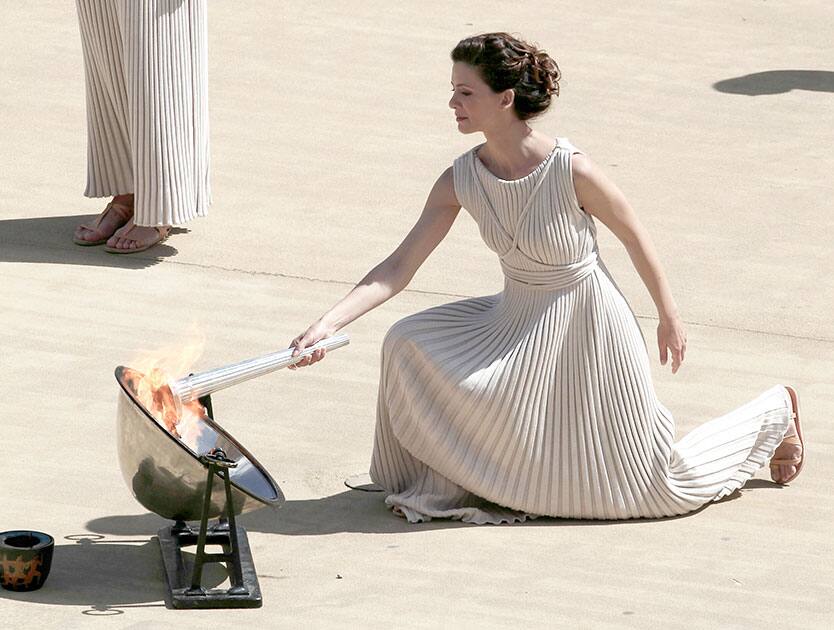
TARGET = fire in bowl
(181,464)
(163,468)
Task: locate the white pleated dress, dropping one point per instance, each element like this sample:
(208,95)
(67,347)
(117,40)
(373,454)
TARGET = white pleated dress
(539,400)
(146,69)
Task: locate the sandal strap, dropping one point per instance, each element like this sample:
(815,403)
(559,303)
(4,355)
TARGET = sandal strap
(794,461)
(785,462)
(125,212)
(162,232)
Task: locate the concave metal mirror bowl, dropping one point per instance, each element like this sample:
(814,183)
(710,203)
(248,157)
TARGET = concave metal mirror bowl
(167,477)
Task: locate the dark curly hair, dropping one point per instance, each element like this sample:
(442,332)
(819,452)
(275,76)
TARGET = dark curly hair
(508,63)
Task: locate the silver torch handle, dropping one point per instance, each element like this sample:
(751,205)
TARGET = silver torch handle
(197,385)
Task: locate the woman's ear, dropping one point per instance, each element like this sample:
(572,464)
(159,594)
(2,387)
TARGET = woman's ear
(507,99)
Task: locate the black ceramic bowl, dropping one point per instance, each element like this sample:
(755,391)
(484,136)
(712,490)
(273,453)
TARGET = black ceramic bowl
(25,559)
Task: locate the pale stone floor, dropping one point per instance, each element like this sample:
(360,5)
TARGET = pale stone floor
(329,125)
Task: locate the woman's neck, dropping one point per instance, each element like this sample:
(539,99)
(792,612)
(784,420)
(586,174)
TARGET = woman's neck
(512,150)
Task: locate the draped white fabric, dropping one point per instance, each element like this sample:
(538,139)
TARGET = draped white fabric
(539,400)
(146,68)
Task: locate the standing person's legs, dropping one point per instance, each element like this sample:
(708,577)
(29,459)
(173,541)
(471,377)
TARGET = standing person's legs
(166,76)
(109,162)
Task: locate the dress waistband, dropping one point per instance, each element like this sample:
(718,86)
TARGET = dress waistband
(555,277)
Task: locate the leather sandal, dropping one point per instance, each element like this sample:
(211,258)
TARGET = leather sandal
(792,439)
(125,213)
(161,234)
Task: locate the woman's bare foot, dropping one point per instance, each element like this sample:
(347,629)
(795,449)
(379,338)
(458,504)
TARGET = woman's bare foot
(788,455)
(132,238)
(790,451)
(118,212)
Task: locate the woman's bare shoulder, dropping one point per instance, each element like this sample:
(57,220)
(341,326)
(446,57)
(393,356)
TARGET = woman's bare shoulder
(443,192)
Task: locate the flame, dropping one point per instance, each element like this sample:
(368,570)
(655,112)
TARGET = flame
(172,361)
(149,382)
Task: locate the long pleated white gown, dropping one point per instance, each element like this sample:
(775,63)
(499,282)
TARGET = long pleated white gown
(146,69)
(539,400)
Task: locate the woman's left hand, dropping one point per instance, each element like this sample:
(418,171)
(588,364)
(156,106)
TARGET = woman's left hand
(671,337)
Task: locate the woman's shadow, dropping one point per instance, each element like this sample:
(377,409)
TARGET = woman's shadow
(355,511)
(778,82)
(349,511)
(49,240)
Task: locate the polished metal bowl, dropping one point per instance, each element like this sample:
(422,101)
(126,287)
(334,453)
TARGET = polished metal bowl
(167,477)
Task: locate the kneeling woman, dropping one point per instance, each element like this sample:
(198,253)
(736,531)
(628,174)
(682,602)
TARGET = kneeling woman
(539,400)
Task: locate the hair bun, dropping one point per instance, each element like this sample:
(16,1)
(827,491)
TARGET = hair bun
(545,71)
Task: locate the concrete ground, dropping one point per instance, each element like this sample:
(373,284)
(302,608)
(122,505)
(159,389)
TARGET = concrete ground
(329,125)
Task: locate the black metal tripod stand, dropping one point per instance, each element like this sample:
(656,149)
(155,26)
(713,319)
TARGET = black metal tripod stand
(185,586)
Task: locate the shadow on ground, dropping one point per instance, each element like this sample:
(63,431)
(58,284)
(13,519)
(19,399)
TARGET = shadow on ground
(107,576)
(352,511)
(778,82)
(49,240)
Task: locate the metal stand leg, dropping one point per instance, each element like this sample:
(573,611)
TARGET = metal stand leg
(244,591)
(200,559)
(235,574)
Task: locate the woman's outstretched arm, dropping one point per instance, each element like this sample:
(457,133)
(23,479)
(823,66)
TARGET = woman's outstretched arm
(394,273)
(600,197)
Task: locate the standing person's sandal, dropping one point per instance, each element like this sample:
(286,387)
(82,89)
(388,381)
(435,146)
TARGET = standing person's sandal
(162,233)
(124,212)
(792,439)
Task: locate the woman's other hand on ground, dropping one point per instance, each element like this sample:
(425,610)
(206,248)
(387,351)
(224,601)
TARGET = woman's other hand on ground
(671,338)
(312,335)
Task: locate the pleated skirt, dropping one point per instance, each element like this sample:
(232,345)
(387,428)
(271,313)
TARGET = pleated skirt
(529,403)
(146,69)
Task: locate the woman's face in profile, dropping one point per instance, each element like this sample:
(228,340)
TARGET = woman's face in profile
(476,106)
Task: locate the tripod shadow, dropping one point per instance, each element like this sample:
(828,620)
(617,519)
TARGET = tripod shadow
(357,512)
(106,575)
(778,82)
(49,240)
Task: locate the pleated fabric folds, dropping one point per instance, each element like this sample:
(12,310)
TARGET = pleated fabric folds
(538,400)
(146,68)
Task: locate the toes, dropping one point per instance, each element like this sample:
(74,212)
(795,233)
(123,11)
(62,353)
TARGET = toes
(783,473)
(84,234)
